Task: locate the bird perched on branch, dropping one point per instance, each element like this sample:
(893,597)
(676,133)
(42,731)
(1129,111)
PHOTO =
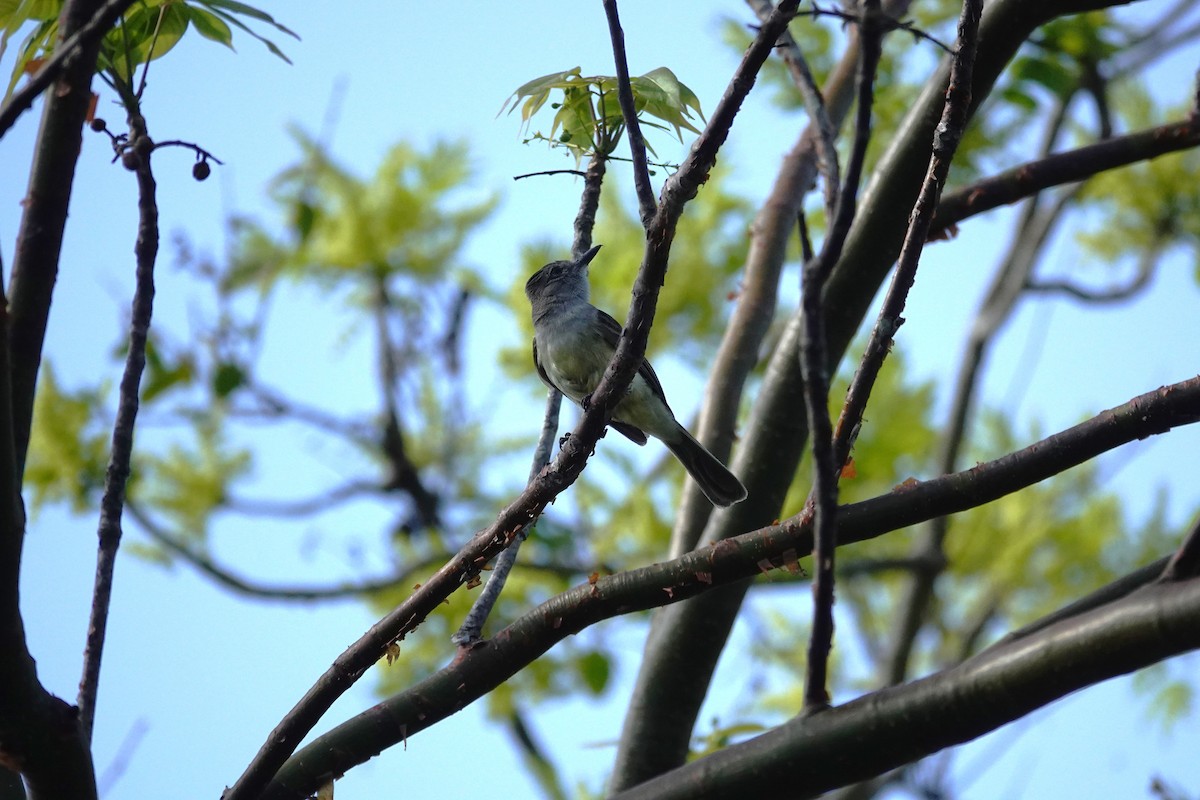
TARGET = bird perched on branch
(573,342)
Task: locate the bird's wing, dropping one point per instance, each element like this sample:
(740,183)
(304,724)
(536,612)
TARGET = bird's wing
(635,435)
(611,330)
(537,363)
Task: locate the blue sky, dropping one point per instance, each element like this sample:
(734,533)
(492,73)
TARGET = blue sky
(205,675)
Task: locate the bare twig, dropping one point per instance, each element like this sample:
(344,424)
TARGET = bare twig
(304,506)
(945,142)
(113,501)
(1145,271)
(470,632)
(888,24)
(814,362)
(577,172)
(633,130)
(87,35)
(177,545)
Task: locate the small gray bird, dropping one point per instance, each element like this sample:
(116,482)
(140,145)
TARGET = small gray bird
(573,341)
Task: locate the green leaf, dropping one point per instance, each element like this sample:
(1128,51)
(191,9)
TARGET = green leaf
(227,10)
(210,26)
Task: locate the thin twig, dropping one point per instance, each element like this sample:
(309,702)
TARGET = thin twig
(162,12)
(1145,271)
(633,130)
(91,30)
(889,24)
(177,545)
(825,132)
(577,172)
(470,632)
(945,141)
(814,363)
(117,476)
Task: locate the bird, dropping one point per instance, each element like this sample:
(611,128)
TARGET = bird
(573,343)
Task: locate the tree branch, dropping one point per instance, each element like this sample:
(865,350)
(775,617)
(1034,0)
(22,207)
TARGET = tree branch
(633,130)
(1185,563)
(39,240)
(471,630)
(814,365)
(711,569)
(1062,168)
(117,476)
(895,726)
(948,134)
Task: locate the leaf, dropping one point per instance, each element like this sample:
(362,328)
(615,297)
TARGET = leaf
(217,5)
(210,26)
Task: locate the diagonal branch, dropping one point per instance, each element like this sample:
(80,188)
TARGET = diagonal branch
(896,726)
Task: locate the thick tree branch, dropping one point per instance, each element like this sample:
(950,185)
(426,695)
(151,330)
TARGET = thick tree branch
(38,731)
(712,569)
(895,726)
(39,240)
(117,476)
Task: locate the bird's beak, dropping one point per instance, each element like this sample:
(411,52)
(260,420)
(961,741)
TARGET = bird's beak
(587,257)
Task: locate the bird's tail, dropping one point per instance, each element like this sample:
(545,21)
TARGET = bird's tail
(719,485)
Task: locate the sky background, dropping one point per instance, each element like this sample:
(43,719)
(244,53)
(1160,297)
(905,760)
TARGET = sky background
(194,678)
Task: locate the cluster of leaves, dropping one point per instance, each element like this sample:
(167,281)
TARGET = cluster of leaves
(588,116)
(147,31)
